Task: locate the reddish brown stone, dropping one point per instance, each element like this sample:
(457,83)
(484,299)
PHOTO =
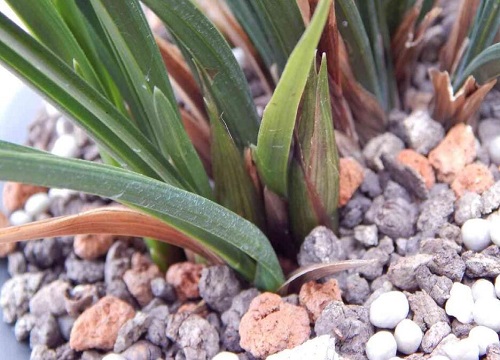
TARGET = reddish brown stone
(351,176)
(138,278)
(185,276)
(5,249)
(315,297)
(474,177)
(98,326)
(420,164)
(15,194)
(91,246)
(456,150)
(272,325)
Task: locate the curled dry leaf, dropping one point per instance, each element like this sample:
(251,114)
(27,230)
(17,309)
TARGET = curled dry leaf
(449,108)
(109,220)
(317,271)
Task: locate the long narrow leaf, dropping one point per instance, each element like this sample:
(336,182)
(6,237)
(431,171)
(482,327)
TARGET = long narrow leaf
(234,239)
(275,135)
(48,74)
(485,67)
(194,33)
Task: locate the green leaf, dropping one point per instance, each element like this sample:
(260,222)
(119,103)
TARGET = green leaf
(275,135)
(283,25)
(484,67)
(314,174)
(194,32)
(395,11)
(484,29)
(233,187)
(41,69)
(361,58)
(236,240)
(178,145)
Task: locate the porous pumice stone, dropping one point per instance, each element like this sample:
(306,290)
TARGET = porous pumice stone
(487,313)
(484,337)
(483,288)
(381,346)
(461,303)
(476,234)
(408,336)
(389,309)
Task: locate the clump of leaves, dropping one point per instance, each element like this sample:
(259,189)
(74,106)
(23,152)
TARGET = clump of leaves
(211,176)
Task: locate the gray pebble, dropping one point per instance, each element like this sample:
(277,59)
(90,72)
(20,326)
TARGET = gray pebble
(117,261)
(366,234)
(402,271)
(119,289)
(438,287)
(373,209)
(459,329)
(349,324)
(386,143)
(433,245)
(376,268)
(490,199)
(451,232)
(231,319)
(291,299)
(396,218)
(17,263)
(23,326)
(448,263)
(320,246)
(487,130)
(42,253)
(356,289)
(91,355)
(142,350)
(407,177)
(131,331)
(46,332)
(65,325)
(493,352)
(198,338)
(467,207)
(156,330)
(425,310)
(421,132)
(84,271)
(42,352)
(435,211)
(50,299)
(16,293)
(434,335)
(386,286)
(484,264)
(352,214)
(218,285)
(80,298)
(371,184)
(65,352)
(163,290)
(393,190)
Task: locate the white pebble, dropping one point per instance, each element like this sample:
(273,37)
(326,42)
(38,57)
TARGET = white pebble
(19,217)
(495,231)
(439,357)
(114,357)
(65,146)
(225,355)
(483,288)
(461,303)
(484,337)
(63,193)
(51,110)
(408,336)
(381,346)
(395,358)
(476,234)
(487,313)
(63,126)
(497,286)
(37,204)
(465,349)
(494,150)
(389,309)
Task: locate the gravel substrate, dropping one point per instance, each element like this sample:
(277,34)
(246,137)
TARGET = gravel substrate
(421,202)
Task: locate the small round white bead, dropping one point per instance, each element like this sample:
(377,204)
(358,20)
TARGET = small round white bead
(381,346)
(465,349)
(461,303)
(389,309)
(484,337)
(476,234)
(65,146)
(408,336)
(19,217)
(225,355)
(487,313)
(37,204)
(483,288)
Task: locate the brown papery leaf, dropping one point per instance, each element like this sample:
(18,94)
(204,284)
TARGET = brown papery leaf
(305,10)
(317,271)
(449,108)
(453,48)
(108,220)
(182,79)
(408,41)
